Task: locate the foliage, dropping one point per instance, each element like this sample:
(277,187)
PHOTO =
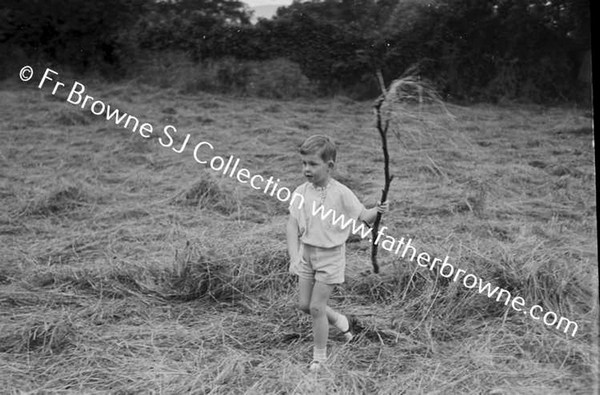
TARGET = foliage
(325,52)
(470,49)
(194,26)
(467,47)
(78,33)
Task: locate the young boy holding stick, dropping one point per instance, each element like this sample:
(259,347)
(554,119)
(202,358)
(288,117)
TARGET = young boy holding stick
(317,246)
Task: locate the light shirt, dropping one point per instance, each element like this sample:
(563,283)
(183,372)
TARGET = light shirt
(337,200)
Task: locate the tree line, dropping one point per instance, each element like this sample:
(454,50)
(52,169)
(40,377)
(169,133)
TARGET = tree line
(469,49)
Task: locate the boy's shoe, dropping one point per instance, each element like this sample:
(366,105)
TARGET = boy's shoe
(315,366)
(350,334)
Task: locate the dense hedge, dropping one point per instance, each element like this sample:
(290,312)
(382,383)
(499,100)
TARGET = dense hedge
(480,49)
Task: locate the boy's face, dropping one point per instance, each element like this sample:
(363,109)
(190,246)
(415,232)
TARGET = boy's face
(316,170)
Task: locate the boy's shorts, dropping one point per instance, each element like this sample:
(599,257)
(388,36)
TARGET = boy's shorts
(326,265)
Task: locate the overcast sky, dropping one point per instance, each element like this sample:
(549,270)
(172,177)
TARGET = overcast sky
(254,3)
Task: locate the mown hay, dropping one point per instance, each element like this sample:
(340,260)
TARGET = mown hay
(41,334)
(219,317)
(195,274)
(199,272)
(60,200)
(72,117)
(208,194)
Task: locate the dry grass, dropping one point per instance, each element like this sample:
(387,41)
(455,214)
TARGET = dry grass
(128,268)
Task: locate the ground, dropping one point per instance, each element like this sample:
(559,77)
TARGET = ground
(129,268)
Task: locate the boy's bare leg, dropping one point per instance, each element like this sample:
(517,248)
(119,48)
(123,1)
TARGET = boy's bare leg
(333,317)
(340,321)
(305,289)
(318,311)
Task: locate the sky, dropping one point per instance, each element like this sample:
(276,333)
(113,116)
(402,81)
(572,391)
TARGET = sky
(254,3)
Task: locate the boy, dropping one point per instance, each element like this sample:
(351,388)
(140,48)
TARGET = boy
(316,246)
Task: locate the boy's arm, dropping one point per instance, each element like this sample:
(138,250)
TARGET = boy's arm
(369,215)
(293,242)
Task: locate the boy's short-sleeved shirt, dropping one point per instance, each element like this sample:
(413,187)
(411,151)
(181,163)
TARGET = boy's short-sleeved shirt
(339,201)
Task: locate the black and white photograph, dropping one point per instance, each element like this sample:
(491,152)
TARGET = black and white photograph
(298,197)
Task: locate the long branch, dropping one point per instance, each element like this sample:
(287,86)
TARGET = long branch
(388,180)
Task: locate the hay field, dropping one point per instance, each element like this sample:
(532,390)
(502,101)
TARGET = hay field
(128,268)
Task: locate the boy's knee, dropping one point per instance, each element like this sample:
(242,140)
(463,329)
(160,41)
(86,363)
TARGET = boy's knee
(316,310)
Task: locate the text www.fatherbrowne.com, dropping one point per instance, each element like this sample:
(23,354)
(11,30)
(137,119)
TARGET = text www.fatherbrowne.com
(445,269)
(79,97)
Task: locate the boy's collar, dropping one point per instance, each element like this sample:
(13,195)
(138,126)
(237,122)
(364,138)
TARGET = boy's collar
(329,182)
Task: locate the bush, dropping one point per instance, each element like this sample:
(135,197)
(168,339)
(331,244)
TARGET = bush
(277,78)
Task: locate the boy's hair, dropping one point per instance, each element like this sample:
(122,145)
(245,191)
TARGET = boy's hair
(320,145)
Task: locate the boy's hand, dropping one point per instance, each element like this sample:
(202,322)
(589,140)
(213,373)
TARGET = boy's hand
(383,207)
